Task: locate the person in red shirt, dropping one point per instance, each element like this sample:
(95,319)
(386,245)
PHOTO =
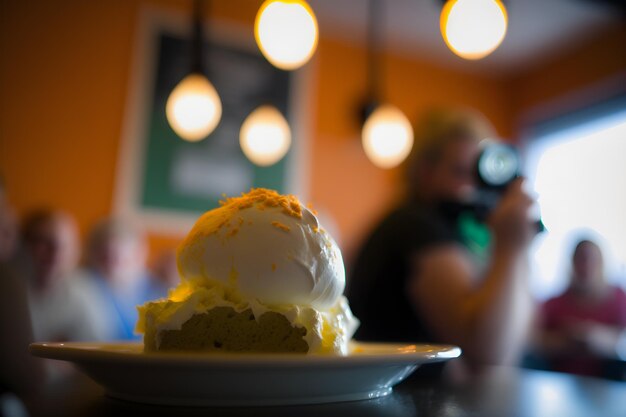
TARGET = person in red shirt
(582,329)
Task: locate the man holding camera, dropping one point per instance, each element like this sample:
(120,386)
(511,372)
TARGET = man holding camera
(430,274)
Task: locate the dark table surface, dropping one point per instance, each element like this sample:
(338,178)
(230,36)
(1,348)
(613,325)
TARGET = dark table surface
(498,391)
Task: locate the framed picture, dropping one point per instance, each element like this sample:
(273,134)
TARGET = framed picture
(164,182)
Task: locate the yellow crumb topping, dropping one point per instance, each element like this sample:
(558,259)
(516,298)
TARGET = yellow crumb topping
(226,221)
(262,198)
(281,226)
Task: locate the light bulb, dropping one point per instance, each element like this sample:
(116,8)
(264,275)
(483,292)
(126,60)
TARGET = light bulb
(473,29)
(387,136)
(286,32)
(265,136)
(193,108)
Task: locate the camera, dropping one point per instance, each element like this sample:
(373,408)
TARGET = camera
(498,164)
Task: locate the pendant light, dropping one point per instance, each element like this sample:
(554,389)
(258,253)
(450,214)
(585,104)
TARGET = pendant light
(265,136)
(387,135)
(193,108)
(473,29)
(286,32)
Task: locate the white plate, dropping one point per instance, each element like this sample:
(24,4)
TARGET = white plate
(202,379)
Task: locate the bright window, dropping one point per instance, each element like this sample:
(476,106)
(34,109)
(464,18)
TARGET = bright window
(579,175)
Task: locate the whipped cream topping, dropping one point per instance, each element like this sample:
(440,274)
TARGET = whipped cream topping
(328,331)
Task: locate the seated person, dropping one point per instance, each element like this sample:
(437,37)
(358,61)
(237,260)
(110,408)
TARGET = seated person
(8,227)
(164,274)
(20,373)
(116,267)
(425,275)
(580,330)
(59,307)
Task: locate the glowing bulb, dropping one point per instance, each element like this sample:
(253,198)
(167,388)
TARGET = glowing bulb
(473,29)
(265,136)
(286,32)
(387,136)
(193,108)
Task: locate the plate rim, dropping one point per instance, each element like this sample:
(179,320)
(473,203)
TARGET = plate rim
(78,352)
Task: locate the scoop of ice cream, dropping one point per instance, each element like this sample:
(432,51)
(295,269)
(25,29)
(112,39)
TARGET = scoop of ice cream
(268,247)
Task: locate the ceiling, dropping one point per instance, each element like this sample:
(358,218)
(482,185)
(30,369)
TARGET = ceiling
(537,29)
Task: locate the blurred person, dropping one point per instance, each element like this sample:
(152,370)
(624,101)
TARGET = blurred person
(581,330)
(164,273)
(425,275)
(116,266)
(8,228)
(59,304)
(20,373)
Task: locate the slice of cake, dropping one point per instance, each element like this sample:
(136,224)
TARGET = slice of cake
(259,274)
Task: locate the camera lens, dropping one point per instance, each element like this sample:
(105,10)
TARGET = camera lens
(498,164)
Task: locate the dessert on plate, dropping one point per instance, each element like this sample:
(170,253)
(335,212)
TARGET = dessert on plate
(258,274)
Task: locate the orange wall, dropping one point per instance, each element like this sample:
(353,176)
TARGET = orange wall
(63,81)
(64,74)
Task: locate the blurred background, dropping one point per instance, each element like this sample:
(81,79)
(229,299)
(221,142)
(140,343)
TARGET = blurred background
(80,83)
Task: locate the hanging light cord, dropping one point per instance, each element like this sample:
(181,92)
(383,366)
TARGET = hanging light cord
(197,65)
(374,37)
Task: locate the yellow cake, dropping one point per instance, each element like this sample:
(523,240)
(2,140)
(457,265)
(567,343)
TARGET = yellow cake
(258,274)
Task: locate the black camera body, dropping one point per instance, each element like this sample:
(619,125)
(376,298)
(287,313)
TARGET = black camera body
(497,165)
